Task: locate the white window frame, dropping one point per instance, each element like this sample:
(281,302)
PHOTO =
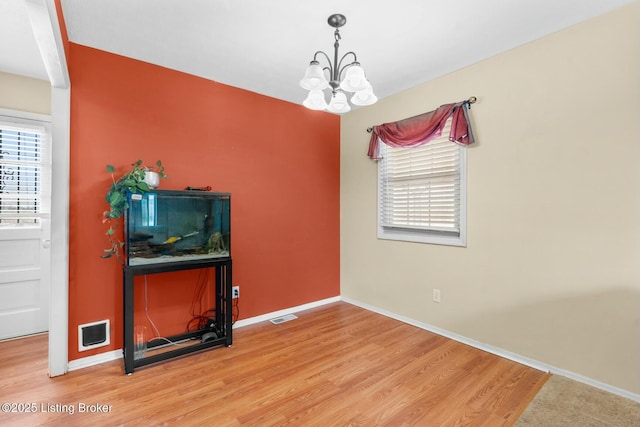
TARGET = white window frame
(40,124)
(408,234)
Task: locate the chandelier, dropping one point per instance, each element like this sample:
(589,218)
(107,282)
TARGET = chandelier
(315,80)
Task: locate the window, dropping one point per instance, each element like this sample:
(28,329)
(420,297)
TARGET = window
(422,192)
(24,173)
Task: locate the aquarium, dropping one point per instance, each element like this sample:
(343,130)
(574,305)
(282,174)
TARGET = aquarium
(170,226)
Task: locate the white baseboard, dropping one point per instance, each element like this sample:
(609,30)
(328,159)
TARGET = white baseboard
(109,356)
(594,383)
(97,359)
(292,310)
(499,351)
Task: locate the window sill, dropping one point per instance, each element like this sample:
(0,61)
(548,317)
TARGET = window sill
(422,237)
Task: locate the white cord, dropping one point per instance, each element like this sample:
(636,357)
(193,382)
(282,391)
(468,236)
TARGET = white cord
(153,325)
(146,312)
(169,342)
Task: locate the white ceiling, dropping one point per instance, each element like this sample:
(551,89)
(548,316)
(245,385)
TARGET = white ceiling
(265,46)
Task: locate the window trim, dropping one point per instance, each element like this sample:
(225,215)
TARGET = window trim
(429,237)
(39,123)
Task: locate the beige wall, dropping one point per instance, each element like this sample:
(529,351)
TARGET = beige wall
(25,94)
(552,266)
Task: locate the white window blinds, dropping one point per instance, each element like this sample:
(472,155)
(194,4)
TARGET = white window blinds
(24,173)
(421,189)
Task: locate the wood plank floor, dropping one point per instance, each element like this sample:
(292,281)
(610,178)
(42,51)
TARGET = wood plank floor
(336,365)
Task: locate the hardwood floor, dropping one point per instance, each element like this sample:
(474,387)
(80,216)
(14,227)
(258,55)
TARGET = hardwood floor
(335,365)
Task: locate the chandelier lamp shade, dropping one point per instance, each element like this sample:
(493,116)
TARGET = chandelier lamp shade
(342,78)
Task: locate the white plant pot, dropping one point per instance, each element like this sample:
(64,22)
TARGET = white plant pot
(152,179)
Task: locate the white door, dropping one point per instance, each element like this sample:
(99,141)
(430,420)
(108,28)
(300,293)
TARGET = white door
(25,176)
(24,289)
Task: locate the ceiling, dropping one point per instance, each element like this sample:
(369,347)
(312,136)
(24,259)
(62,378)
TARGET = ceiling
(265,46)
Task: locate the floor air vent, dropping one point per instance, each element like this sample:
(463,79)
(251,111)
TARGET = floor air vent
(282,319)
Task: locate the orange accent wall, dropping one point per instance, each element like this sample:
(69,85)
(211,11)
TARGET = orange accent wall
(280,161)
(63,27)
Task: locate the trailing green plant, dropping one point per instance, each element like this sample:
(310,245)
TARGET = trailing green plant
(132,182)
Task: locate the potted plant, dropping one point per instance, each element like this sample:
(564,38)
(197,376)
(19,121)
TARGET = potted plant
(135,180)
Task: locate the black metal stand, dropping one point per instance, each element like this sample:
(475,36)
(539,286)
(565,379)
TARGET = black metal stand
(223,312)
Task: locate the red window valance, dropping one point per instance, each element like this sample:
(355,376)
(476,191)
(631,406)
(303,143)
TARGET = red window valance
(419,130)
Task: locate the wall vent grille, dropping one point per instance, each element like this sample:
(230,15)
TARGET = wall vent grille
(95,334)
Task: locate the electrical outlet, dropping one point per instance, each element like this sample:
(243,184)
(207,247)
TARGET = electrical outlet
(235,292)
(436,295)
